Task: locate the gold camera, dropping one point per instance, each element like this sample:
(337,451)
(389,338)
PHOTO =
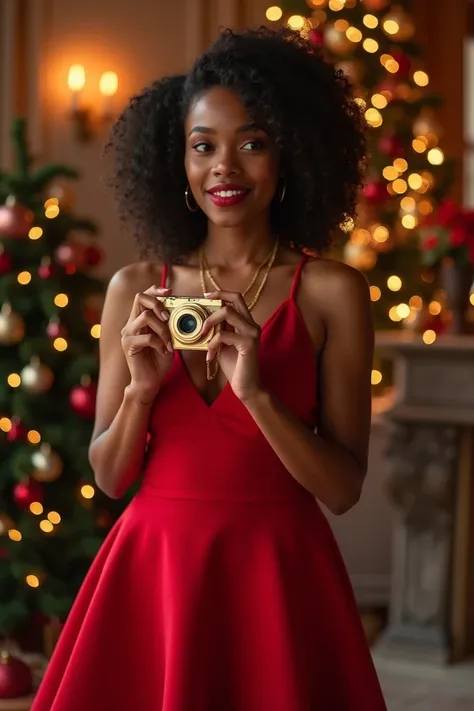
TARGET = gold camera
(187,316)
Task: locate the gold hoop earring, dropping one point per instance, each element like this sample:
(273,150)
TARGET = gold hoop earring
(187,193)
(282,192)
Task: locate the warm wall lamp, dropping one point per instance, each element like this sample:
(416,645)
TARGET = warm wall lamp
(88,120)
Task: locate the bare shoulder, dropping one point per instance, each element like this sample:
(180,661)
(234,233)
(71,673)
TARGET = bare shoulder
(134,278)
(334,285)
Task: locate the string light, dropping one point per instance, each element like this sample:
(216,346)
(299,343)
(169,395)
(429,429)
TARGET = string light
(95,330)
(380,234)
(14,535)
(32,581)
(51,211)
(425,207)
(415,181)
(46,526)
(416,302)
(409,222)
(400,164)
(391,27)
(394,315)
(336,5)
(341,25)
(35,233)
(54,517)
(370,21)
(14,380)
(87,491)
(274,13)
(370,45)
(403,310)
(34,437)
(408,203)
(394,283)
(379,101)
(419,144)
(60,344)
(376,377)
(434,307)
(435,156)
(374,117)
(5,424)
(421,78)
(61,300)
(471,299)
(429,336)
(24,278)
(392,66)
(36,508)
(375,293)
(400,186)
(390,173)
(354,35)
(296,22)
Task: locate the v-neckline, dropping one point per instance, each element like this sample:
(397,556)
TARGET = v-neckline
(210,405)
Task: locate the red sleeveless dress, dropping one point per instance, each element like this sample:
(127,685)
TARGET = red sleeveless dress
(221,587)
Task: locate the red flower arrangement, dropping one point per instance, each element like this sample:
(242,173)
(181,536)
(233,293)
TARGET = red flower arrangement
(448,233)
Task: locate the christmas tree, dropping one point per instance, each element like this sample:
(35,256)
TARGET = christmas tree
(372,41)
(52,519)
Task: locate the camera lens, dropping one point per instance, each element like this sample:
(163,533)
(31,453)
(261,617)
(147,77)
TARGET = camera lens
(187,324)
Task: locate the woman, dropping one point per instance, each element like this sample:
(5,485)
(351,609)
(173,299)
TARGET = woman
(221,587)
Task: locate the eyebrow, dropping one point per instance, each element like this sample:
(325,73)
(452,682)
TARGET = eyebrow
(246,128)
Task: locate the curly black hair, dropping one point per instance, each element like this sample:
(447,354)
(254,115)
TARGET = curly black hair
(309,111)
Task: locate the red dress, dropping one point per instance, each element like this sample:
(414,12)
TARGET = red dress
(221,587)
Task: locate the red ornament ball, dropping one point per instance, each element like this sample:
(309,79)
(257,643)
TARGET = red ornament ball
(6,263)
(82,400)
(18,431)
(46,269)
(375,192)
(93,255)
(70,254)
(404,64)
(55,329)
(26,492)
(15,677)
(391,146)
(15,220)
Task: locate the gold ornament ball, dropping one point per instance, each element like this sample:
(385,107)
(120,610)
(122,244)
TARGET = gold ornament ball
(360,256)
(36,377)
(12,326)
(337,41)
(405,24)
(5,524)
(47,464)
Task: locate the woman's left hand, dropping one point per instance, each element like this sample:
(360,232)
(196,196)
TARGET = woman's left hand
(239,348)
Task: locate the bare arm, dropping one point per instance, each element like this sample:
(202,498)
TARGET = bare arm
(332,463)
(125,399)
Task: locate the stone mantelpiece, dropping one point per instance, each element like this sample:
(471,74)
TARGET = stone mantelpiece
(430,467)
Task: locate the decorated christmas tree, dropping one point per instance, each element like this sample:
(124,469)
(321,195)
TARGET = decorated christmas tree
(374,43)
(52,519)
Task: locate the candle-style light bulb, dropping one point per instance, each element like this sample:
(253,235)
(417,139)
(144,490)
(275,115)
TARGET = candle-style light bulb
(108,86)
(76,80)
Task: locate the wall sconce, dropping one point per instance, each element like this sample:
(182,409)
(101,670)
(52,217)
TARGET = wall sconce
(87,121)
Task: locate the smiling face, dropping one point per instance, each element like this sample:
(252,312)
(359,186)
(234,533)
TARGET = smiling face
(231,163)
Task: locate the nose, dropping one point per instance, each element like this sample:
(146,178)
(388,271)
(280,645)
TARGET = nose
(226,164)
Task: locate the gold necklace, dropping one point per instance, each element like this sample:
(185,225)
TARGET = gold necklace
(254,279)
(211,374)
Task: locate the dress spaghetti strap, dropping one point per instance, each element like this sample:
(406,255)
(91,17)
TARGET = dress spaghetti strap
(296,278)
(164,276)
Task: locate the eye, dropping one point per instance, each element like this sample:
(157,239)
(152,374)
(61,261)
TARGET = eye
(201,147)
(256,144)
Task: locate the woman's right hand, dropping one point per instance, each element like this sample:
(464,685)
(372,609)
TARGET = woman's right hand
(146,343)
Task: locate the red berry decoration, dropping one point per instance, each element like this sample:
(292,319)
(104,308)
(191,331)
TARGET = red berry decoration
(375,192)
(18,431)
(55,329)
(15,677)
(6,262)
(93,255)
(392,146)
(46,269)
(82,399)
(15,220)
(26,492)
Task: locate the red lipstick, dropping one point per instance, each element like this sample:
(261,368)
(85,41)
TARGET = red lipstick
(227,194)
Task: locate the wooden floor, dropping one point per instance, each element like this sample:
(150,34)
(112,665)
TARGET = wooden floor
(415,688)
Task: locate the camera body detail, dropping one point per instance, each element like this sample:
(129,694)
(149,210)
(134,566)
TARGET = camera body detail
(187,315)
